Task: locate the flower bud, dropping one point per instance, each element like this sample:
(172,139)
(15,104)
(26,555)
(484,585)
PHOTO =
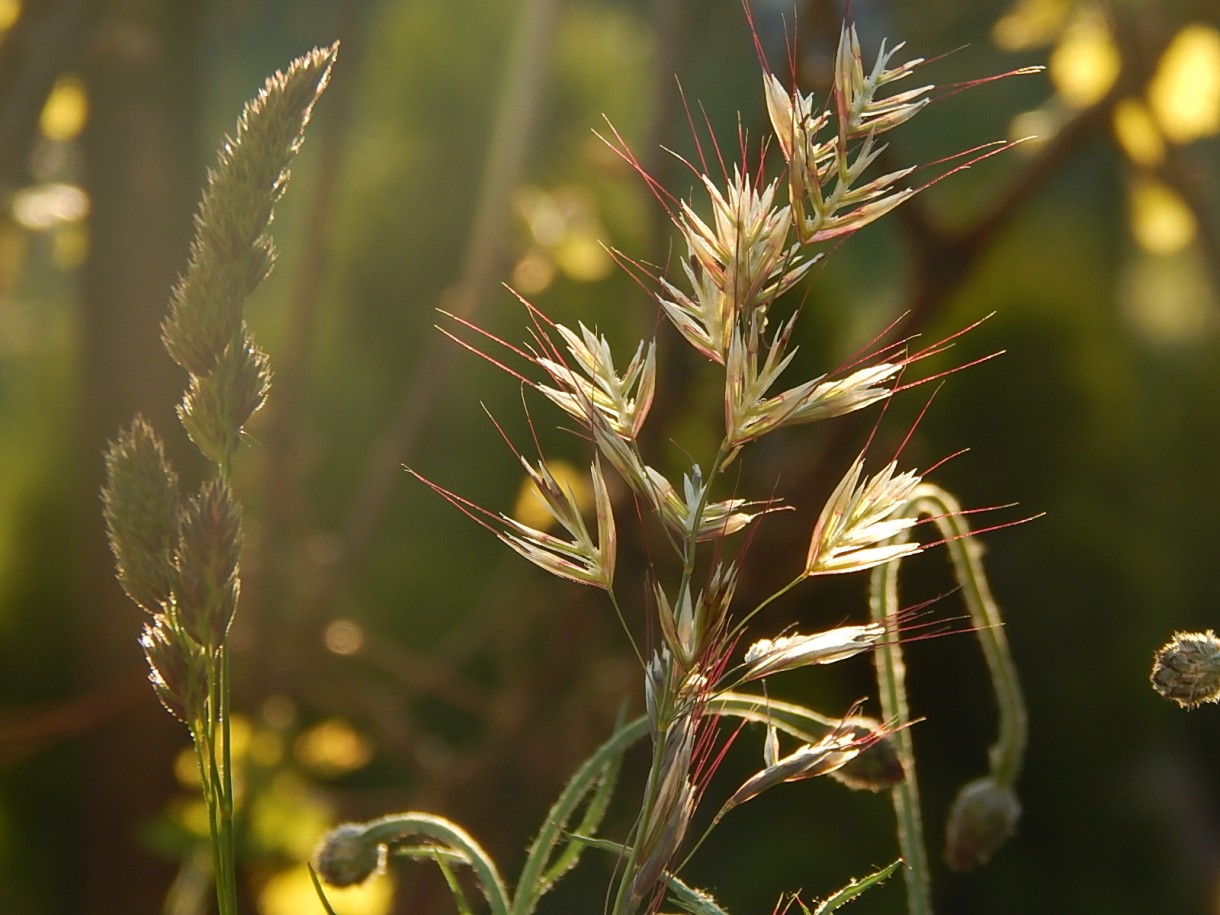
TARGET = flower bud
(983,816)
(347,856)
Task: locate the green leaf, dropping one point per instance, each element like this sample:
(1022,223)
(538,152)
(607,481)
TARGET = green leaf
(855,888)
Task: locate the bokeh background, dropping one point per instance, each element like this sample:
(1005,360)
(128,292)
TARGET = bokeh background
(391,655)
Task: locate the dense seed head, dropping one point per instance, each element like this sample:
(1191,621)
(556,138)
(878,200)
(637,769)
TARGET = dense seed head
(140,503)
(1186,670)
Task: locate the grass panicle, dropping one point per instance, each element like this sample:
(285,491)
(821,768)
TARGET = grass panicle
(180,560)
(746,247)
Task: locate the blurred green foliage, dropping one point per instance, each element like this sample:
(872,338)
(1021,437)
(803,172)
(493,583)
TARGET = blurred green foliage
(476,684)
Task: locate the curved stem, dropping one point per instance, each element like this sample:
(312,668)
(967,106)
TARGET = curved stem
(966,555)
(395,828)
(891,685)
(529,889)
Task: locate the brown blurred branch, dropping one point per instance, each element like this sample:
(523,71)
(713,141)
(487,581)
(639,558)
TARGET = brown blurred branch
(945,258)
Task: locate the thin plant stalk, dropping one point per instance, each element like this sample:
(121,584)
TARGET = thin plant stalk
(985,812)
(966,556)
(892,696)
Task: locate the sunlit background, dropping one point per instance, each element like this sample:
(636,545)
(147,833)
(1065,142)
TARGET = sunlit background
(389,654)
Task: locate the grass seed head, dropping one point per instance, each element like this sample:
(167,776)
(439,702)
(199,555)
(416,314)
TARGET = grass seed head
(1186,670)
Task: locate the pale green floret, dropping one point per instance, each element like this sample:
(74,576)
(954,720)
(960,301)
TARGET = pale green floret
(860,519)
(623,400)
(769,656)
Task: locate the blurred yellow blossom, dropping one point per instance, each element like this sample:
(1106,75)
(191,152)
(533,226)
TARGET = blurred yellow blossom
(1085,63)
(291,892)
(530,508)
(1030,24)
(1160,220)
(1184,95)
(1137,133)
(65,111)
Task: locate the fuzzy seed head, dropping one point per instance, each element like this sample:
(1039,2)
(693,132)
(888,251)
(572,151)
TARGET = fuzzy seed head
(176,677)
(231,252)
(208,550)
(218,404)
(1186,670)
(140,504)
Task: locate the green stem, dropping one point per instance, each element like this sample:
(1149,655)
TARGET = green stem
(529,889)
(202,738)
(891,685)
(390,830)
(226,838)
(966,553)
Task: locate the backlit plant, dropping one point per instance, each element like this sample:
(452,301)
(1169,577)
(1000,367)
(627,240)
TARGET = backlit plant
(747,247)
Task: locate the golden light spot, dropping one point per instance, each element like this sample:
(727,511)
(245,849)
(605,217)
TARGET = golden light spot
(291,892)
(564,227)
(279,712)
(542,215)
(241,732)
(332,748)
(1137,133)
(191,815)
(44,206)
(70,246)
(285,815)
(1030,24)
(1169,301)
(533,273)
(344,637)
(186,768)
(1160,220)
(530,508)
(266,748)
(1035,128)
(1085,62)
(581,257)
(65,111)
(9,11)
(1184,95)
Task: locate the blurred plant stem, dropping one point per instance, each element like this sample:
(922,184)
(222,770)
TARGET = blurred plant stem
(985,812)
